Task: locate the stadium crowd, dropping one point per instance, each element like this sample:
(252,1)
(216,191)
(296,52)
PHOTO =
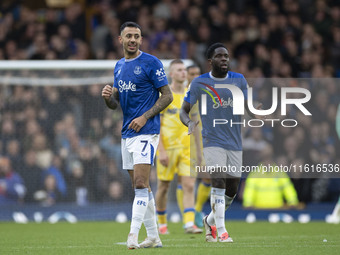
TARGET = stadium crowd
(65,145)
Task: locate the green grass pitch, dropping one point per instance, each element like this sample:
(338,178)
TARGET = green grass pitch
(110,237)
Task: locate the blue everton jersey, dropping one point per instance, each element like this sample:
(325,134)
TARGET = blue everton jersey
(220,127)
(137,81)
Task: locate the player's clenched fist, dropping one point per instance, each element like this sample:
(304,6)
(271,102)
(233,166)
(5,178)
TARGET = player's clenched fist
(107,92)
(110,96)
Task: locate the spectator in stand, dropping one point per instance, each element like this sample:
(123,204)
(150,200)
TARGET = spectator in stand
(14,153)
(254,143)
(269,190)
(12,188)
(56,171)
(49,194)
(31,173)
(7,131)
(115,192)
(78,192)
(44,154)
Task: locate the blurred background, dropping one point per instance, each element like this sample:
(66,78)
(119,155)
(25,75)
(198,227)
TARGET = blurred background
(61,145)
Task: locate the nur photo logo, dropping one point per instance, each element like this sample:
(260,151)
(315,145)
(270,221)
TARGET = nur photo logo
(237,103)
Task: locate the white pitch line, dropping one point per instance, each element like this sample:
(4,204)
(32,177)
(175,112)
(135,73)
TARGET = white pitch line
(237,244)
(68,246)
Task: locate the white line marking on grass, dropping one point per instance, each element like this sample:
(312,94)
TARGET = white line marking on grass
(182,240)
(67,247)
(237,245)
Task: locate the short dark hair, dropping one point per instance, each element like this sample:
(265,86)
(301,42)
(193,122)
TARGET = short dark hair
(129,24)
(192,66)
(212,48)
(176,61)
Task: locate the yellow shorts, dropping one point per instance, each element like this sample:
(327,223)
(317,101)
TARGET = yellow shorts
(179,163)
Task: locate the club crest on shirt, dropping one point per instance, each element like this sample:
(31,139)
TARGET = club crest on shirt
(138,70)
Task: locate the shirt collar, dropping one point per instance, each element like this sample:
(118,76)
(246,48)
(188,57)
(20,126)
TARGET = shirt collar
(218,79)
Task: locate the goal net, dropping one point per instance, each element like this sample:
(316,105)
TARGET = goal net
(61,143)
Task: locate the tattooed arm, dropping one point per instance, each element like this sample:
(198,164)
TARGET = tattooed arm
(163,101)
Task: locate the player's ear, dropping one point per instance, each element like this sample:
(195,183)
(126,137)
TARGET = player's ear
(170,71)
(120,39)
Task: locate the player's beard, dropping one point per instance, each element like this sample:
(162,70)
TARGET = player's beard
(220,71)
(131,52)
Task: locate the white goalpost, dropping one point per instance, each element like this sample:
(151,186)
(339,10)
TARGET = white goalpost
(104,67)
